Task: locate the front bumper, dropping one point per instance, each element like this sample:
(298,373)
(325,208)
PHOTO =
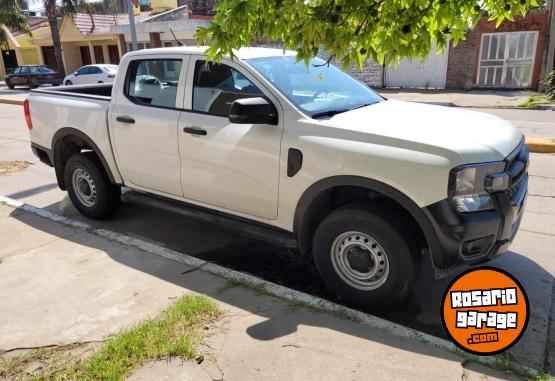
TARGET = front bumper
(475,237)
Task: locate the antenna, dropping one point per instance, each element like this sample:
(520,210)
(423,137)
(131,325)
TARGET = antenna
(179,43)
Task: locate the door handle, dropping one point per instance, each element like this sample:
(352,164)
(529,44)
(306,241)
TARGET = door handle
(125,119)
(195,130)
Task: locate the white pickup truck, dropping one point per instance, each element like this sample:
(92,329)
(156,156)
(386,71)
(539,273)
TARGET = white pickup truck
(303,155)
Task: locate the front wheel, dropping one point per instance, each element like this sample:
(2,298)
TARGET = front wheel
(10,86)
(89,187)
(68,83)
(365,257)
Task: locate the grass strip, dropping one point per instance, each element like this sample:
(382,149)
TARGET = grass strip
(176,332)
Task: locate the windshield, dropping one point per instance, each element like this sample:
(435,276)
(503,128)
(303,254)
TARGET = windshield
(318,89)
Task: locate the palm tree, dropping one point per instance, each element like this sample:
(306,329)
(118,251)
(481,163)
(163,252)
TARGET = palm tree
(11,15)
(66,8)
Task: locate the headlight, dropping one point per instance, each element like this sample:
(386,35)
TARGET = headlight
(470,186)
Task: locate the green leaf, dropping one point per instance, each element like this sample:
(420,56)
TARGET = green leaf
(384,28)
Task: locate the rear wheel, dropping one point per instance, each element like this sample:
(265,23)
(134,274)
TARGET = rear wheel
(365,257)
(89,187)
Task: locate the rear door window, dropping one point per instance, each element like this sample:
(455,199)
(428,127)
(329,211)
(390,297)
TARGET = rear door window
(153,82)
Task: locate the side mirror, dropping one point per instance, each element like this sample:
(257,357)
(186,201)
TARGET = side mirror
(252,111)
(75,73)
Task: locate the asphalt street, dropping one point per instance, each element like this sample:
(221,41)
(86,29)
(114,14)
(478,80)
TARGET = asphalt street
(531,258)
(534,123)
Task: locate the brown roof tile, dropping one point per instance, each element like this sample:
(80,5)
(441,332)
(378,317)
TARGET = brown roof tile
(101,25)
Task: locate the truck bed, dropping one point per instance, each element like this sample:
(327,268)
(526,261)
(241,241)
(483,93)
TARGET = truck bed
(80,111)
(98,91)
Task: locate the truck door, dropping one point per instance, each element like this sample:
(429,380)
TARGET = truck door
(231,166)
(144,119)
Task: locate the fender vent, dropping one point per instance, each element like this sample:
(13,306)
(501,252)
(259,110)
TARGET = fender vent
(294,161)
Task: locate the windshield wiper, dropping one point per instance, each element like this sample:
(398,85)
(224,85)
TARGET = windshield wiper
(335,112)
(364,105)
(329,113)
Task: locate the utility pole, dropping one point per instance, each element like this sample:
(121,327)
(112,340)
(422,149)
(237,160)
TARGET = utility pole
(551,46)
(130,12)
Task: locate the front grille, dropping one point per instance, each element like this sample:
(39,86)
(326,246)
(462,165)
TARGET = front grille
(513,191)
(517,167)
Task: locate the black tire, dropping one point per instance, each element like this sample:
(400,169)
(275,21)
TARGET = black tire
(68,83)
(107,196)
(400,252)
(10,86)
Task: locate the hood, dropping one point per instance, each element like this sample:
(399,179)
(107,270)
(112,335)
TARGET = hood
(475,136)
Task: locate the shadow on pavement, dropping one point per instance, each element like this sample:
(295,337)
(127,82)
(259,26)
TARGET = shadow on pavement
(284,267)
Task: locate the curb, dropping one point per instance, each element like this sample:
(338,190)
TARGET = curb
(540,145)
(12,101)
(282,292)
(546,107)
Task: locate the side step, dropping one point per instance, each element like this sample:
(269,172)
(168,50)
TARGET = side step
(232,223)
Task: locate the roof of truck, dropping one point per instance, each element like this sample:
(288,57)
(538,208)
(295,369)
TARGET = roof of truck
(242,54)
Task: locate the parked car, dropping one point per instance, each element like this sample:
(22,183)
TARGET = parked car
(308,158)
(33,76)
(92,74)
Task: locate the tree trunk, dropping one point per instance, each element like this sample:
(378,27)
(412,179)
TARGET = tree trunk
(55,31)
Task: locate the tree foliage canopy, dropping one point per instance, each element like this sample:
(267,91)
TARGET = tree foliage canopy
(351,30)
(11,15)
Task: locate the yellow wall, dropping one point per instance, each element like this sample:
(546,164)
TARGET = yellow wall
(25,40)
(163,5)
(29,56)
(26,52)
(72,56)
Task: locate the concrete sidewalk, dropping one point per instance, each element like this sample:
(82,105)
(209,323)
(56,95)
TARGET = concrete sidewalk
(63,285)
(474,98)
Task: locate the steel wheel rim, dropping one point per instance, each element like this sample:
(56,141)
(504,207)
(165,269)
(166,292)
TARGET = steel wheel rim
(359,260)
(84,187)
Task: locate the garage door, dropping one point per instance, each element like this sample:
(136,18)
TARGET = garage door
(415,73)
(507,59)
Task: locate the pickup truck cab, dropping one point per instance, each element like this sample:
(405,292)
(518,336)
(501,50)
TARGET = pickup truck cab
(368,186)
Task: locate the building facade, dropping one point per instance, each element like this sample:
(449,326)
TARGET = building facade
(19,48)
(509,56)
(85,40)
